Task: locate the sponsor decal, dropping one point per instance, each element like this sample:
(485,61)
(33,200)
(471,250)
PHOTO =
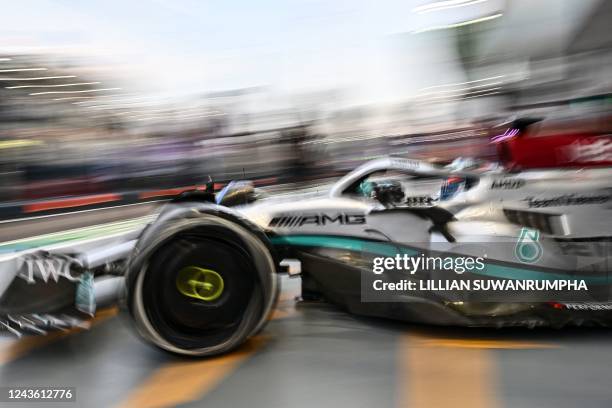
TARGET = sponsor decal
(85,299)
(405,164)
(591,248)
(420,201)
(47,267)
(566,200)
(320,219)
(588,306)
(507,184)
(586,151)
(528,248)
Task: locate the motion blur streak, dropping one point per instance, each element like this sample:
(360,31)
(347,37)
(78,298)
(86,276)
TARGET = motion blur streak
(51,86)
(37,78)
(70,203)
(11,350)
(181,382)
(23,69)
(443,5)
(462,24)
(87,233)
(70,92)
(433,341)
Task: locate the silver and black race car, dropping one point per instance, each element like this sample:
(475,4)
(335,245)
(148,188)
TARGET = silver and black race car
(203,276)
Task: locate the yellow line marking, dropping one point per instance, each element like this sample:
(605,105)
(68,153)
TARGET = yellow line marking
(283,313)
(15,349)
(446,376)
(285,307)
(184,381)
(460,372)
(481,343)
(288,296)
(181,382)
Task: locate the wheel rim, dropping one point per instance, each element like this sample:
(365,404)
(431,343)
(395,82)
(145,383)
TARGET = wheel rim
(200,283)
(191,326)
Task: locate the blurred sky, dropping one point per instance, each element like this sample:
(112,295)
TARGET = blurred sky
(181,46)
(214,45)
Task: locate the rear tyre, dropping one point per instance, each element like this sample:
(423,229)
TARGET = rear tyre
(201,286)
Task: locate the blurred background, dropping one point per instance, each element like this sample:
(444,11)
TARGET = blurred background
(106,102)
(113,96)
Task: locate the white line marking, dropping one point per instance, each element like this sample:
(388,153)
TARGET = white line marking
(36,217)
(92,228)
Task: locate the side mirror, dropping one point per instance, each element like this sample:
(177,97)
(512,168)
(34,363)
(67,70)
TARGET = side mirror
(210,185)
(236,193)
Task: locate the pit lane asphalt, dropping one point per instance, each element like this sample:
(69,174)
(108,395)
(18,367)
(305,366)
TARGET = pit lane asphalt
(313,354)
(46,224)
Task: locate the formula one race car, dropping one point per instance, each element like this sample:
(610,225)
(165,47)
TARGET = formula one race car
(203,276)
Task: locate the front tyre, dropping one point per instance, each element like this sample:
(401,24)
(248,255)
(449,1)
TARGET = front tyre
(200,286)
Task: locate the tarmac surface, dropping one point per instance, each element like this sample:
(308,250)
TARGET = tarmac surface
(309,355)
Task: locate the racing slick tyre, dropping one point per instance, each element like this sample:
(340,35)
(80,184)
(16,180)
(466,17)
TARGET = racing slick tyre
(200,285)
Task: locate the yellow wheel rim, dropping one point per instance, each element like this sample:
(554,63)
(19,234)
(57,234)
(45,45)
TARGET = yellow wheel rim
(199,283)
